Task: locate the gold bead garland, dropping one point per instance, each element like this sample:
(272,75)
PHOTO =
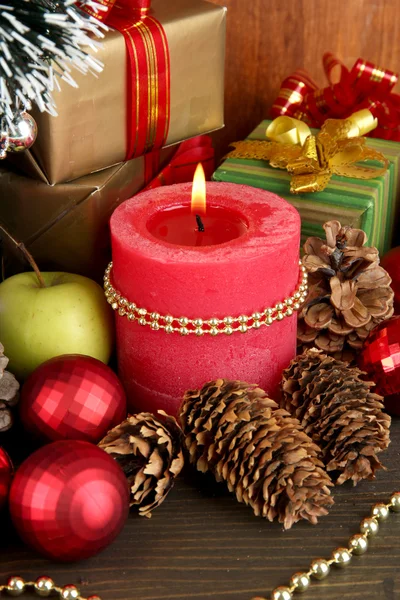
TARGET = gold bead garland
(201,326)
(299,582)
(43,586)
(341,557)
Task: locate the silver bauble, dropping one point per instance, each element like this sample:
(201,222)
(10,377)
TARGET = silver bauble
(4,143)
(23,133)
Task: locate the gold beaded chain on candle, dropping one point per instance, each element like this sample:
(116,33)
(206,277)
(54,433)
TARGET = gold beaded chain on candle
(201,326)
(341,557)
(43,586)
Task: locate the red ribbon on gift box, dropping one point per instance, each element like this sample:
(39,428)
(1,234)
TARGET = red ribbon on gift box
(364,86)
(148,72)
(184,162)
(107,5)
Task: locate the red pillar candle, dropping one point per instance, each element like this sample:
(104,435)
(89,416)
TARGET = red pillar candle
(247,261)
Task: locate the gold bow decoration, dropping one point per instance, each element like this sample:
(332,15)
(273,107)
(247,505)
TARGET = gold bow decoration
(311,160)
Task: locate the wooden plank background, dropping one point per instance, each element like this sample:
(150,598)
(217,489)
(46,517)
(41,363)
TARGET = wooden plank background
(269,39)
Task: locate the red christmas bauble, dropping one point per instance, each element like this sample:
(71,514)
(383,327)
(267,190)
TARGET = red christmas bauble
(72,397)
(380,358)
(391,262)
(6,473)
(69,500)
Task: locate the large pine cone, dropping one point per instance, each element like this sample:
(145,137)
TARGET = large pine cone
(234,430)
(339,412)
(149,449)
(349,293)
(9,393)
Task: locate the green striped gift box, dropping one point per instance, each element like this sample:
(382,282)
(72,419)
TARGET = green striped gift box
(369,204)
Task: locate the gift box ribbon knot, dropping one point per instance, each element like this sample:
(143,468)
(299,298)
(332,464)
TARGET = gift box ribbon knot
(311,160)
(148,72)
(364,86)
(102,8)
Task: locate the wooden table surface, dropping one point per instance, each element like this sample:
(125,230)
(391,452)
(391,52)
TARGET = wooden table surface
(201,544)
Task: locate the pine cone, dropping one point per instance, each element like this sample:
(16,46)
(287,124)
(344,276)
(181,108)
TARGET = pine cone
(349,293)
(9,393)
(339,412)
(149,450)
(234,430)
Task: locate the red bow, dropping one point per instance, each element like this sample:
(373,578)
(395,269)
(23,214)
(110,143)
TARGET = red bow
(107,6)
(365,86)
(183,165)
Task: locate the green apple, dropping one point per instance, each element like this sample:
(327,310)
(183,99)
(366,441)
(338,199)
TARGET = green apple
(70,315)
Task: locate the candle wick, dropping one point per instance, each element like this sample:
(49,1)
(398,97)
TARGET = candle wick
(200,224)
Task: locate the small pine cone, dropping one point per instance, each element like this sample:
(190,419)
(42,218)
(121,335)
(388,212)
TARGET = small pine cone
(149,450)
(9,393)
(348,293)
(339,412)
(234,430)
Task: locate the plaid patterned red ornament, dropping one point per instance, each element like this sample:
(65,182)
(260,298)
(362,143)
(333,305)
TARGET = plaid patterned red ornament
(6,474)
(380,358)
(69,500)
(72,397)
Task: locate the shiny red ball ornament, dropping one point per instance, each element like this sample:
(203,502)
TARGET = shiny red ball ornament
(6,473)
(72,397)
(69,500)
(391,263)
(380,358)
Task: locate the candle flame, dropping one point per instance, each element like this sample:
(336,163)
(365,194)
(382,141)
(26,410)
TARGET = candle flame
(199,191)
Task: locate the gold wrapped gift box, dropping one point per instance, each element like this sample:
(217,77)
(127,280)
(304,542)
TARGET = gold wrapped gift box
(65,226)
(89,133)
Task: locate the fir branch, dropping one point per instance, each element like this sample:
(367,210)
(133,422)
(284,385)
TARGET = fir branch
(41,41)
